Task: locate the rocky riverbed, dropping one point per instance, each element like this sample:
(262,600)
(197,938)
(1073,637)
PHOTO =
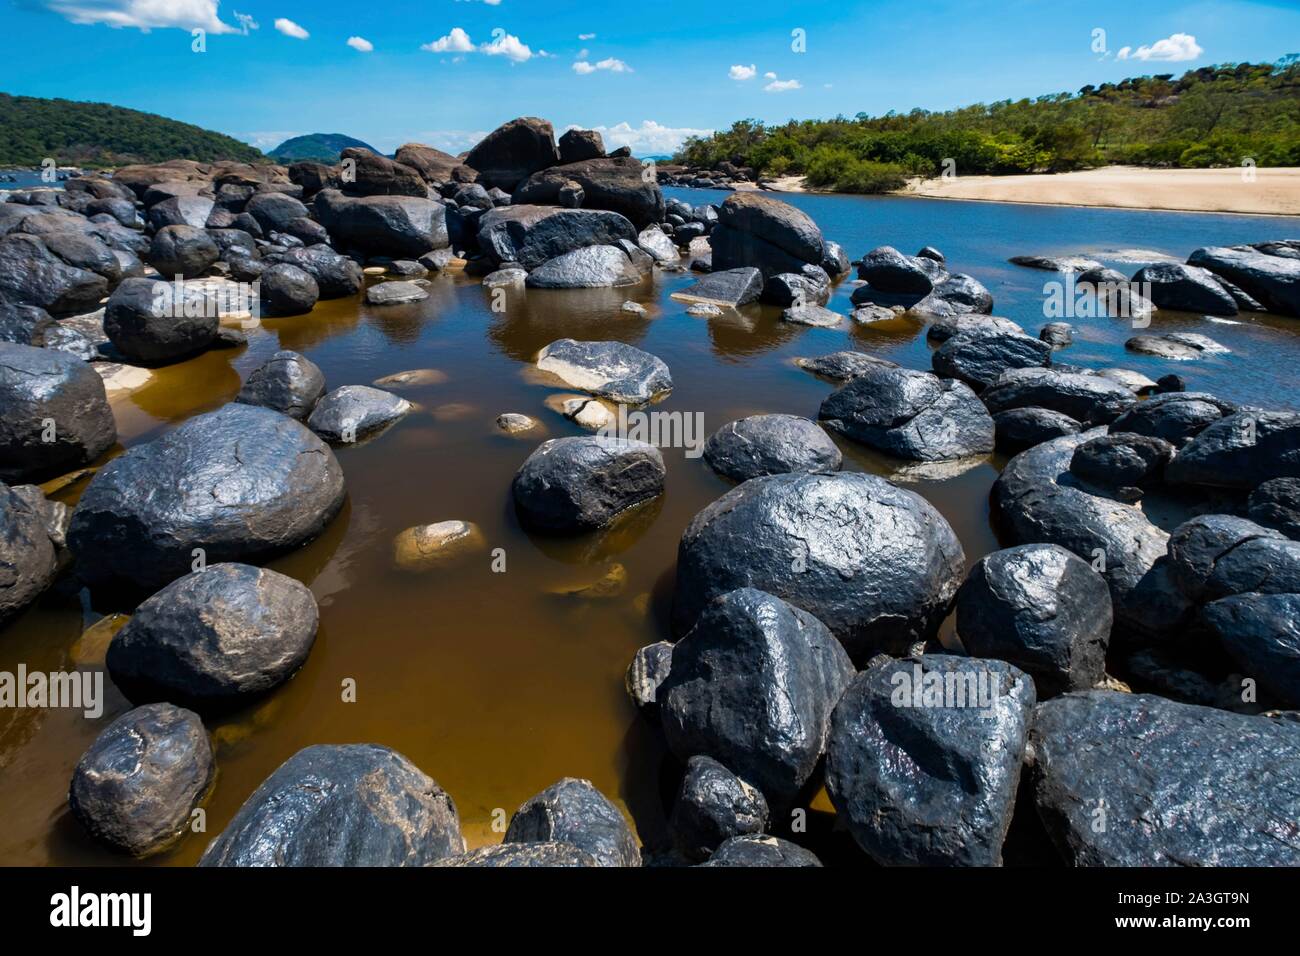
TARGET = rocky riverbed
(842,667)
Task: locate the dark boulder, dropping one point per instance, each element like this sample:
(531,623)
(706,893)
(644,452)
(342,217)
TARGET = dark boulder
(368,174)
(575,812)
(1021,428)
(924,758)
(1276,504)
(1197,545)
(1272,280)
(341,805)
(27,553)
(275,211)
(23,324)
(181,211)
(287,382)
(545,855)
(714,805)
(1171,784)
(353,412)
(336,276)
(757,230)
(616,185)
(611,370)
(888,270)
(159,322)
(650,665)
(1242,451)
(54,414)
(944,327)
(594,267)
(753,686)
(1186,289)
(241,483)
(842,366)
(875,563)
(956,294)
(578,484)
(514,151)
(287,290)
(761,850)
(531,235)
(810,285)
(1041,608)
(1261,632)
(729,287)
(1058,335)
(980,359)
(138,784)
(31,274)
(1122,461)
(1089,399)
(1177,417)
(383,225)
(182,251)
(911,415)
(433,164)
(770,445)
(579,144)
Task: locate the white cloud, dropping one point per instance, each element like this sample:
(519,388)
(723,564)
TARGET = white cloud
(291,29)
(457,41)
(361,44)
(245,21)
(780,86)
(149,14)
(648,139)
(740,72)
(1172,49)
(769,76)
(490,3)
(586,36)
(582,67)
(452,141)
(509,46)
(268,139)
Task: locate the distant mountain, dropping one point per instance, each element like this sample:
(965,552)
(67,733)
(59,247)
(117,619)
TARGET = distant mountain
(72,133)
(322,147)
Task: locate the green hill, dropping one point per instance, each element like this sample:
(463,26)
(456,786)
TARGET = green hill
(1213,116)
(322,147)
(96,134)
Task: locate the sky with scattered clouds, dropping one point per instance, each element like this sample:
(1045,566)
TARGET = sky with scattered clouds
(445,71)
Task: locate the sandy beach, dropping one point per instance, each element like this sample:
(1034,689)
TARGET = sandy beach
(1274,191)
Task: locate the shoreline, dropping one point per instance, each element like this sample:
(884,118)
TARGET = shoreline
(1275,191)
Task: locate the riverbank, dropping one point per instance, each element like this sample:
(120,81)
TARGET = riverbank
(1273,192)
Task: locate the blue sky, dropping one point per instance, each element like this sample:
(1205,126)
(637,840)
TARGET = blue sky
(445,71)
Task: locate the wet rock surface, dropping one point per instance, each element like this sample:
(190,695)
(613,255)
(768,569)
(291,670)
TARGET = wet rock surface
(713,805)
(572,485)
(621,373)
(287,382)
(576,813)
(770,445)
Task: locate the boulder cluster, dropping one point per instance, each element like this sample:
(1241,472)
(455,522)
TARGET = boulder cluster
(1151,531)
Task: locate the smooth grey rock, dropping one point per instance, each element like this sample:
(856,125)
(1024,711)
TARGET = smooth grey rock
(27,553)
(287,382)
(1177,417)
(395,292)
(770,445)
(1272,280)
(1276,504)
(842,366)
(593,267)
(1242,451)
(1261,632)
(287,290)
(728,287)
(160,322)
(575,812)
(1186,289)
(353,412)
(578,484)
(980,359)
(531,235)
(1089,399)
(612,370)
(183,251)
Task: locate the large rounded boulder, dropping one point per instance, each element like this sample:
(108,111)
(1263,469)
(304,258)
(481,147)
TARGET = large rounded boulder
(182,251)
(572,485)
(875,563)
(980,359)
(1240,451)
(770,445)
(215,636)
(287,382)
(54,413)
(241,483)
(575,812)
(713,805)
(342,805)
(158,322)
(911,415)
(27,557)
(139,783)
(753,686)
(514,151)
(759,231)
(924,758)
(1041,608)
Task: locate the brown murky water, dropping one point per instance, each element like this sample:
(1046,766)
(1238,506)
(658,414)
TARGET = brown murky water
(493,683)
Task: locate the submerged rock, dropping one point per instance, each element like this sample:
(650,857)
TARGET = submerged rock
(396,292)
(430,546)
(572,485)
(650,665)
(924,758)
(876,564)
(727,287)
(770,445)
(575,812)
(137,785)
(612,370)
(341,805)
(753,686)
(241,483)
(842,366)
(1174,784)
(214,636)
